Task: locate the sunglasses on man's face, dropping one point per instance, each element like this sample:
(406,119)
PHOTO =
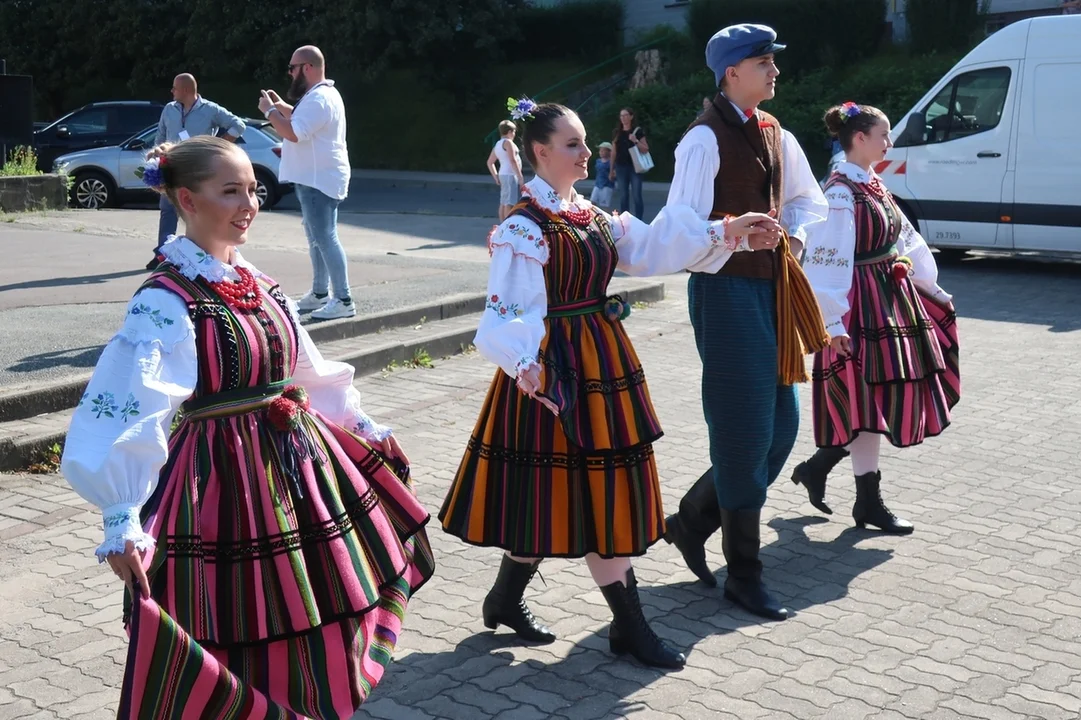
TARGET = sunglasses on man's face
(294,66)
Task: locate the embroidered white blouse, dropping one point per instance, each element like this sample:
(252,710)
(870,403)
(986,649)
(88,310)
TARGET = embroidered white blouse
(698,161)
(830,256)
(512,326)
(118,439)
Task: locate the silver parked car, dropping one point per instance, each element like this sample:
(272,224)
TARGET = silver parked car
(105,177)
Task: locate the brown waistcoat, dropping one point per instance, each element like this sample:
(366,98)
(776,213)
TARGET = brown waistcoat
(750,176)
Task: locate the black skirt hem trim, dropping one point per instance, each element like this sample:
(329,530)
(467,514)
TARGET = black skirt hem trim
(555,556)
(857,431)
(329,620)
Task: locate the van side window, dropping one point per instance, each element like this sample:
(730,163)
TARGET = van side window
(971,104)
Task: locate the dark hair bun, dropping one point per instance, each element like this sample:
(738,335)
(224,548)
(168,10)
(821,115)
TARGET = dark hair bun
(835,121)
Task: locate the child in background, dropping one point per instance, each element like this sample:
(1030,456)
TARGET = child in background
(602,186)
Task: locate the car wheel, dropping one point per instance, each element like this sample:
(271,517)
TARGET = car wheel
(266,190)
(92,190)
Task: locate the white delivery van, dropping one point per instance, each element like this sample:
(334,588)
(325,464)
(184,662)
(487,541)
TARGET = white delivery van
(991,156)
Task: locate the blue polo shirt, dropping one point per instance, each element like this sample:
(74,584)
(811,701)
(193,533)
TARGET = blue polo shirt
(204,118)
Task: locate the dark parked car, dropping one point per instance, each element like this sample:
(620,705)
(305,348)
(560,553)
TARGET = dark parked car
(98,124)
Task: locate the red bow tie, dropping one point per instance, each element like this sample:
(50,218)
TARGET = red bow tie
(749,113)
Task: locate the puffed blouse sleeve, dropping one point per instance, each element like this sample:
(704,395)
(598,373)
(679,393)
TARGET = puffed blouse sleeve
(330,389)
(118,440)
(924,267)
(829,260)
(512,326)
(803,207)
(675,240)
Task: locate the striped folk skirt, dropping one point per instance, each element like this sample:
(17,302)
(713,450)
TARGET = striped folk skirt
(524,486)
(904,374)
(278,586)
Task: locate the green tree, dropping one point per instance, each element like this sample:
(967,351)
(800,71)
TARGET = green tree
(943,25)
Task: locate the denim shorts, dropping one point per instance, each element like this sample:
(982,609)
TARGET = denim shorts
(509,192)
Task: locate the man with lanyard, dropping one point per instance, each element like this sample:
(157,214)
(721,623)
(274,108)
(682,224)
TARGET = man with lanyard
(187,116)
(315,158)
(754,315)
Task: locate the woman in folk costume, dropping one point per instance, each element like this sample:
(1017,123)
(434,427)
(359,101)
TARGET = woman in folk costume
(560,463)
(271,544)
(892,365)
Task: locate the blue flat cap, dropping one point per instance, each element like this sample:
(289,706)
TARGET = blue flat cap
(736,43)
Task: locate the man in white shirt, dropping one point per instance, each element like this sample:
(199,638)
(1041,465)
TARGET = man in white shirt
(316,160)
(753,313)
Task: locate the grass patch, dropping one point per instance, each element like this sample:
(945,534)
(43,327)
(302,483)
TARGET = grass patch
(47,461)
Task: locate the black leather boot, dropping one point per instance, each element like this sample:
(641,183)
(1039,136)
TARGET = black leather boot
(870,510)
(630,632)
(504,604)
(698,518)
(744,585)
(812,474)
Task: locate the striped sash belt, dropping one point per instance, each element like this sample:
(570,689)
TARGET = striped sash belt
(614,307)
(876,256)
(233,402)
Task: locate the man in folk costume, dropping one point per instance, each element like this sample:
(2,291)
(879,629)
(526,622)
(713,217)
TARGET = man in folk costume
(754,314)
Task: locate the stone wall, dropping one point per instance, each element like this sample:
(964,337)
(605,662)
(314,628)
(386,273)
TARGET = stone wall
(33,192)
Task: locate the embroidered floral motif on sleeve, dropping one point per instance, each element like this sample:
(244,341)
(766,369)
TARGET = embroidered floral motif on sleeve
(118,519)
(527,233)
(840,197)
(155,316)
(130,409)
(523,363)
(362,425)
(826,257)
(104,404)
(502,309)
(717,236)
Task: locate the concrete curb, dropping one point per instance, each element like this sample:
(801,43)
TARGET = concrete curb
(18,454)
(457,182)
(35,400)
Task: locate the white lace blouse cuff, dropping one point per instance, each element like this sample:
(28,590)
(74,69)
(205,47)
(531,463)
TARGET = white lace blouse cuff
(718,237)
(524,363)
(122,524)
(369,429)
(836,329)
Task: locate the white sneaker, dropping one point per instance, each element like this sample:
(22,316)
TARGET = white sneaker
(335,309)
(311,302)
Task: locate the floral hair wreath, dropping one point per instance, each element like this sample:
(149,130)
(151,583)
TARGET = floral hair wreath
(151,174)
(521,109)
(849,110)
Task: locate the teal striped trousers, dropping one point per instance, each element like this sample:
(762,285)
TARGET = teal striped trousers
(752,420)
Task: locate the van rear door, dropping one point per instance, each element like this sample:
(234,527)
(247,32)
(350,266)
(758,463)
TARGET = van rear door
(955,172)
(1047,195)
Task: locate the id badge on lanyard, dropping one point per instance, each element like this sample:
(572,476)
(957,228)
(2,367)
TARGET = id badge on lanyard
(183,134)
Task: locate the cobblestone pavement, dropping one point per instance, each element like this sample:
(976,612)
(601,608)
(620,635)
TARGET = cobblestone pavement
(976,615)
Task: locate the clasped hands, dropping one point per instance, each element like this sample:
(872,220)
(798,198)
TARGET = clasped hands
(762,230)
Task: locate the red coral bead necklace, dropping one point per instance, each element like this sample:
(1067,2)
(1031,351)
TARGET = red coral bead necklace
(242,293)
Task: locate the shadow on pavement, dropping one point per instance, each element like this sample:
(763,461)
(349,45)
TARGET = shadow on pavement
(80,358)
(1024,289)
(69,281)
(590,674)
